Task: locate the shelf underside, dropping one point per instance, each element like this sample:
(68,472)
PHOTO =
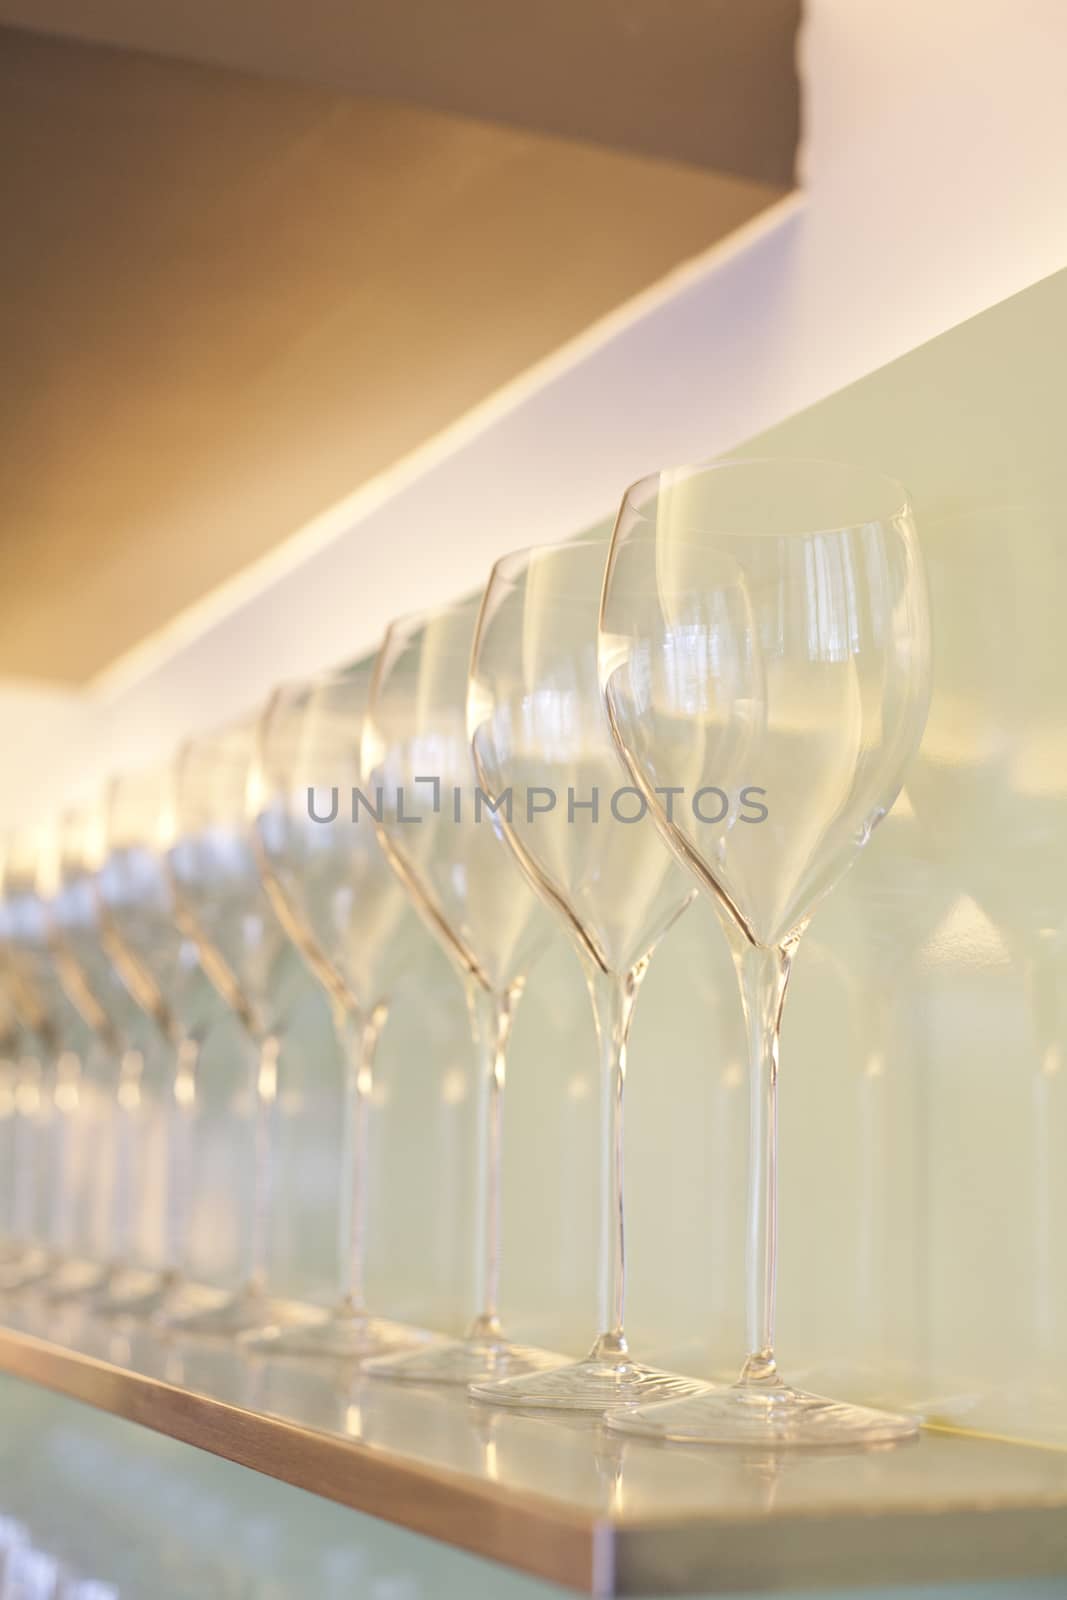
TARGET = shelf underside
(561,1499)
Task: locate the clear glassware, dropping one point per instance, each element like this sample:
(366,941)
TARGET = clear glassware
(28,1040)
(544,754)
(19,1145)
(346,912)
(130,1040)
(12,1246)
(223,907)
(159,965)
(52,1083)
(767,620)
(476,903)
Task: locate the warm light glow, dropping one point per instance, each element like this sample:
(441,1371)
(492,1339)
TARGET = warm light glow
(47,850)
(256,791)
(129,1094)
(28,1098)
(68,1071)
(95,842)
(185,1087)
(454,1087)
(267,1080)
(166,825)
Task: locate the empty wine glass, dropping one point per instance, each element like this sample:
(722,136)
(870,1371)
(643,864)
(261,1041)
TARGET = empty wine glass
(474,900)
(136,1049)
(54,1089)
(29,1042)
(11,1247)
(779,608)
(127,1042)
(159,966)
(345,910)
(222,906)
(543,752)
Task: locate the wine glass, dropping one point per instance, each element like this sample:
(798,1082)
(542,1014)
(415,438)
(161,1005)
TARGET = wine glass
(543,753)
(349,917)
(778,607)
(62,906)
(11,1246)
(159,966)
(29,1042)
(55,1093)
(136,1048)
(416,759)
(222,906)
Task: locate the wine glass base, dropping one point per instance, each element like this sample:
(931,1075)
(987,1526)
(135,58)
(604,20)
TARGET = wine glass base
(589,1385)
(339,1337)
(245,1312)
(74,1280)
(134,1292)
(26,1271)
(462,1362)
(771,1415)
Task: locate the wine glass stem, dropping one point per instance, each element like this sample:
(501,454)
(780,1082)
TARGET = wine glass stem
(179,1156)
(491,1019)
(762,975)
(28,1128)
(358,1034)
(265,1094)
(122,1184)
(613,999)
(64,1071)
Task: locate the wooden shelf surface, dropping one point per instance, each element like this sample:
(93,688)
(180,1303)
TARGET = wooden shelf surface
(561,1499)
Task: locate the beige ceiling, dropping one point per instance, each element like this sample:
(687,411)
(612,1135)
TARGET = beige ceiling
(711,82)
(226,302)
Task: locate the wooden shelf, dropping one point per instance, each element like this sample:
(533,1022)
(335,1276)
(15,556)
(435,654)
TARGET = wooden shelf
(560,1498)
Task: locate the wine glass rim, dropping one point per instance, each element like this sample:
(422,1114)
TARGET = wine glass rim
(410,622)
(157,772)
(311,682)
(525,552)
(216,733)
(901,507)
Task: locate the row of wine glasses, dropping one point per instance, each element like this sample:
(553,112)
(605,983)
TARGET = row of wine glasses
(723,696)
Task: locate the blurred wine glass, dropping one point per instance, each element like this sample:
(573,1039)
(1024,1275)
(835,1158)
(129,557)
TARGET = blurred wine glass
(125,1042)
(582,835)
(29,1043)
(53,1079)
(222,907)
(158,964)
(348,915)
